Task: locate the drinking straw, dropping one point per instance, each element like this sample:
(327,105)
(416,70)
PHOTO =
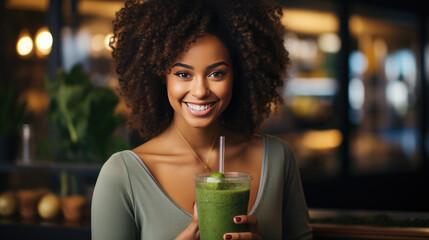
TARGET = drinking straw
(221,153)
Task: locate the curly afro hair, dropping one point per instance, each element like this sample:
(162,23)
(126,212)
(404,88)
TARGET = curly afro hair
(149,35)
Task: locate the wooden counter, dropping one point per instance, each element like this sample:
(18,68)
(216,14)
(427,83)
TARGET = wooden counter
(347,224)
(337,231)
(24,229)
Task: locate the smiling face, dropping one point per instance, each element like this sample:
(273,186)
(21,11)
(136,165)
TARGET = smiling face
(199,84)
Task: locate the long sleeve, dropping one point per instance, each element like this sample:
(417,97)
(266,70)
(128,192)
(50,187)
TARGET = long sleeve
(112,215)
(295,212)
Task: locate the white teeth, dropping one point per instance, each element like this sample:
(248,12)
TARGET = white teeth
(198,107)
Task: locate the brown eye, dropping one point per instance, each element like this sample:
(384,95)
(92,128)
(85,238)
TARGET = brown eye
(217,74)
(182,74)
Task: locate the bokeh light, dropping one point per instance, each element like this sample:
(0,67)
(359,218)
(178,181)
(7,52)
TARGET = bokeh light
(44,41)
(402,65)
(358,63)
(329,42)
(397,96)
(356,93)
(107,41)
(24,46)
(97,43)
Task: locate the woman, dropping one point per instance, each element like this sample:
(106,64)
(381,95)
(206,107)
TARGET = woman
(190,71)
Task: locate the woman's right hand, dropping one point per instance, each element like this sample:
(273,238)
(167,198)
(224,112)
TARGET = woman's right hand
(192,231)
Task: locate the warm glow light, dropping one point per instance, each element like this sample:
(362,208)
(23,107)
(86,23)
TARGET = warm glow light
(39,5)
(380,49)
(37,100)
(377,26)
(99,8)
(357,25)
(311,87)
(24,45)
(308,49)
(305,49)
(329,42)
(97,43)
(311,22)
(107,41)
(44,41)
(322,140)
(291,43)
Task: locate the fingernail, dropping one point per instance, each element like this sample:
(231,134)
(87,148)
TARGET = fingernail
(237,219)
(227,236)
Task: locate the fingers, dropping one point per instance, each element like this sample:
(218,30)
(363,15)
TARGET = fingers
(192,231)
(245,219)
(252,224)
(195,217)
(243,235)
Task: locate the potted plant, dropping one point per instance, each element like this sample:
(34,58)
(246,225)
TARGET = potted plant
(83,118)
(13,115)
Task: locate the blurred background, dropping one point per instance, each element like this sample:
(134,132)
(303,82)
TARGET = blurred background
(355,113)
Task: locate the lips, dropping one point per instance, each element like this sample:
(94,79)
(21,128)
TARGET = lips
(199,107)
(199,110)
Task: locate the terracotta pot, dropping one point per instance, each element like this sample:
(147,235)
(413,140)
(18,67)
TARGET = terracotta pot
(27,202)
(73,207)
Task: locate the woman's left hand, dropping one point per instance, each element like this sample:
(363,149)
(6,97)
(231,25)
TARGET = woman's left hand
(192,231)
(252,224)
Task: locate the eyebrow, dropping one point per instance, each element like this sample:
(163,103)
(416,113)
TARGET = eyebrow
(182,65)
(192,68)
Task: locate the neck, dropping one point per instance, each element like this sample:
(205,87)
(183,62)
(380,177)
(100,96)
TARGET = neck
(200,139)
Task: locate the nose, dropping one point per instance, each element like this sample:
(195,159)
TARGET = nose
(200,87)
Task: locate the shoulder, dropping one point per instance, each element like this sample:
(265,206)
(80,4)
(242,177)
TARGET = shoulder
(270,144)
(117,159)
(116,167)
(278,151)
(113,180)
(276,143)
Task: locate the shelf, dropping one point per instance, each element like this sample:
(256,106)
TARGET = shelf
(361,224)
(337,231)
(84,224)
(38,229)
(81,168)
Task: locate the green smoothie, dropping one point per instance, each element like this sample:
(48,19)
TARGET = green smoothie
(219,200)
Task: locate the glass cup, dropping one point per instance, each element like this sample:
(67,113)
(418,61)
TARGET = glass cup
(219,200)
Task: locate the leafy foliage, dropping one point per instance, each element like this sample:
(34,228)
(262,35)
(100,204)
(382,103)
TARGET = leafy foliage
(83,117)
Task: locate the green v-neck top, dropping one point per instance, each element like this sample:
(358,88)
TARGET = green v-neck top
(128,203)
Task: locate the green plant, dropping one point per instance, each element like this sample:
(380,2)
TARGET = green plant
(13,112)
(83,117)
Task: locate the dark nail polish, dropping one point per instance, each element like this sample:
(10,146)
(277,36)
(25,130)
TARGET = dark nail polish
(227,236)
(237,219)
